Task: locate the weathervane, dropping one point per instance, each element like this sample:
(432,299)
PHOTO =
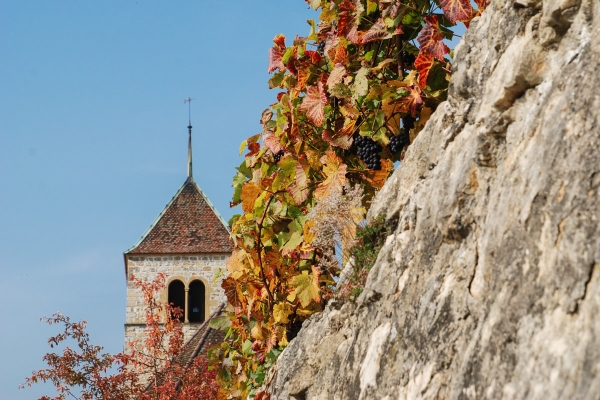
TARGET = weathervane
(189,101)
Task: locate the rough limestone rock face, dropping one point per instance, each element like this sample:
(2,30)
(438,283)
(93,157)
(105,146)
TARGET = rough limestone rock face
(489,287)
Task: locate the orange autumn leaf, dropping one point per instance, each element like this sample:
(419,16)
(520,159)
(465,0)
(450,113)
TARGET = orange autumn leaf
(423,63)
(250,193)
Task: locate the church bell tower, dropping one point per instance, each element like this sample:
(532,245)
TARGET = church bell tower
(189,242)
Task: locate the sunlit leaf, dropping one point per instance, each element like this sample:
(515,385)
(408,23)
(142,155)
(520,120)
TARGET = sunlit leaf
(306,288)
(335,171)
(423,63)
(299,189)
(430,38)
(250,193)
(314,104)
(276,54)
(378,31)
(336,75)
(457,10)
(281,312)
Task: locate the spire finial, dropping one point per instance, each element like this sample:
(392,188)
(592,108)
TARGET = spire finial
(189,168)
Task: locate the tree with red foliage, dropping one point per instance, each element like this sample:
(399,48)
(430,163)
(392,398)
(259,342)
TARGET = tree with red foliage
(150,369)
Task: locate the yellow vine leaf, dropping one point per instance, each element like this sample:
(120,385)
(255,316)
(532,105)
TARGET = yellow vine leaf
(250,193)
(281,311)
(307,288)
(335,171)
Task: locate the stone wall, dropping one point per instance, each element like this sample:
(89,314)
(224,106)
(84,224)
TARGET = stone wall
(185,268)
(489,285)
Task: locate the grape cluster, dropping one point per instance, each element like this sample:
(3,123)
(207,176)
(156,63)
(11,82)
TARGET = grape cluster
(321,47)
(368,151)
(397,143)
(278,156)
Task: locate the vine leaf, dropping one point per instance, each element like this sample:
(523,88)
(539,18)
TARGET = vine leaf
(314,104)
(423,63)
(281,312)
(457,10)
(299,188)
(250,193)
(335,171)
(307,287)
(411,103)
(272,143)
(336,75)
(276,54)
(377,32)
(430,38)
(377,178)
(232,291)
(341,139)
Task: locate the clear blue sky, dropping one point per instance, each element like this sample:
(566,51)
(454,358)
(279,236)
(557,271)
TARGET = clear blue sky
(93,144)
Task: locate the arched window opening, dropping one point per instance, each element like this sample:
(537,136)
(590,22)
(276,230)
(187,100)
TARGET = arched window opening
(196,301)
(177,297)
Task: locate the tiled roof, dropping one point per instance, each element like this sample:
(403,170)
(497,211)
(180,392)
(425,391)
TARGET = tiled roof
(204,338)
(188,224)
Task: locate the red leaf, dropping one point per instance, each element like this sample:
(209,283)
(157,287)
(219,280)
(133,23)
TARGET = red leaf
(376,32)
(314,104)
(275,54)
(423,63)
(253,149)
(314,56)
(430,38)
(412,102)
(457,10)
(279,41)
(345,23)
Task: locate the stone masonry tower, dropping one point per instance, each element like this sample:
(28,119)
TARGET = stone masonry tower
(189,242)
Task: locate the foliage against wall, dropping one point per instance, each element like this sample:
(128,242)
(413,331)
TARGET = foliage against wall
(352,95)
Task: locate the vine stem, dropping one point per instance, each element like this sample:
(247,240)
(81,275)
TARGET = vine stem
(263,278)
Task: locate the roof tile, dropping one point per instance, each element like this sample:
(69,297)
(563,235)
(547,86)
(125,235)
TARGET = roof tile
(188,224)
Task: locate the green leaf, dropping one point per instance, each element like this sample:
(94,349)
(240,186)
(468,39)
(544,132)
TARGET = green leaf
(307,288)
(313,29)
(291,245)
(276,80)
(288,53)
(220,323)
(247,348)
(340,90)
(371,6)
(234,219)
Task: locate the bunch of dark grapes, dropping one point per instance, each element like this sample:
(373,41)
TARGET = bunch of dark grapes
(397,143)
(321,47)
(368,151)
(278,156)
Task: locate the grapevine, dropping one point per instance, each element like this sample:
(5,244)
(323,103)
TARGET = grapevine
(352,96)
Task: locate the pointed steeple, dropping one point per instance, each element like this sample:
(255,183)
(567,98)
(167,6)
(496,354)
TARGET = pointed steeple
(189,168)
(190,172)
